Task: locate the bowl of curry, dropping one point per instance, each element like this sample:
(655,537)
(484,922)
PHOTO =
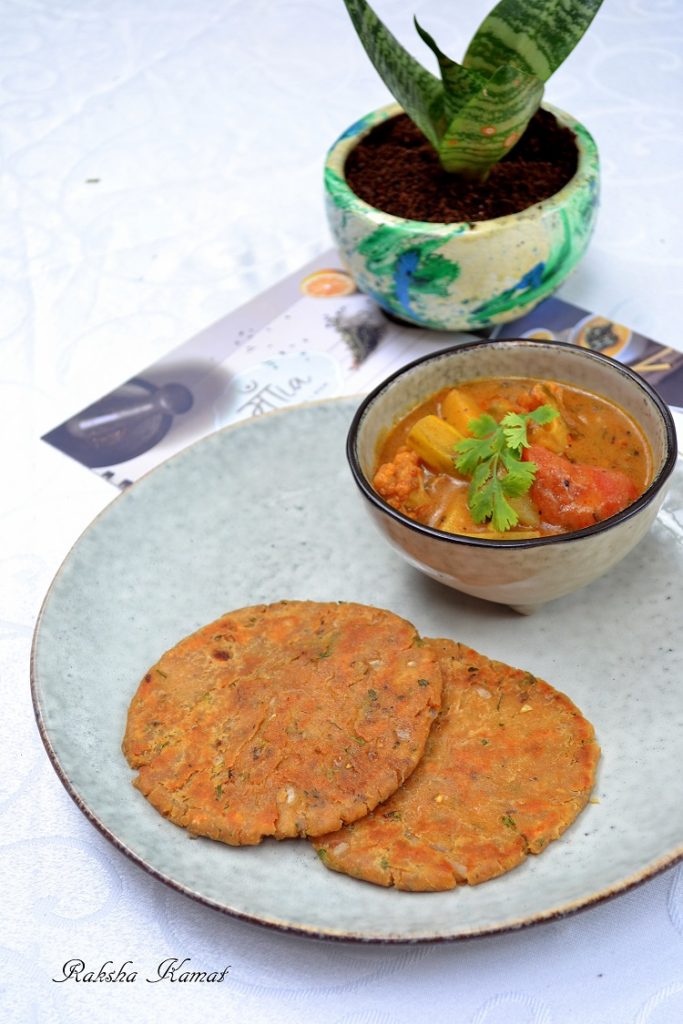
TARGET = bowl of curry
(517,470)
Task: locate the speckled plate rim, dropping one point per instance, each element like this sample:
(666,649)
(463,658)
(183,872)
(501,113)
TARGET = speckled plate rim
(650,870)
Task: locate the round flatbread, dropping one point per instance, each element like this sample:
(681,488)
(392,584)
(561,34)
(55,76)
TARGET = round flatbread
(283,720)
(509,764)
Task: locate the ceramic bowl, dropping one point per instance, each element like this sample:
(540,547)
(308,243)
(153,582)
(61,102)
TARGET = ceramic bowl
(521,573)
(462,276)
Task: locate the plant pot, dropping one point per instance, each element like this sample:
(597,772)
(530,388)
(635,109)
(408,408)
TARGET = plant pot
(469,275)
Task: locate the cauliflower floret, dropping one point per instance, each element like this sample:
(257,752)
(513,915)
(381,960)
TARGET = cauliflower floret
(401,482)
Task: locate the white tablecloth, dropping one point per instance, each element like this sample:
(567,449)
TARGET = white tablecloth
(161,164)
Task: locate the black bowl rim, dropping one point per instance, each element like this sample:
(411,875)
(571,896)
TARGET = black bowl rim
(631,510)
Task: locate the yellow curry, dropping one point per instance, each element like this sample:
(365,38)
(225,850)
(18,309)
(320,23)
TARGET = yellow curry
(512,459)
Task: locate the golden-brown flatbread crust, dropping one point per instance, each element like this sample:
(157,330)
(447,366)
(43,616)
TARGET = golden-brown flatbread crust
(283,720)
(509,764)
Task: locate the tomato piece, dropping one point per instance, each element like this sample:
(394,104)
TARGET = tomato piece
(574,495)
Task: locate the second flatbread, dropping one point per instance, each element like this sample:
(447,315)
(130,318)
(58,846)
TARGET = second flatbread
(508,766)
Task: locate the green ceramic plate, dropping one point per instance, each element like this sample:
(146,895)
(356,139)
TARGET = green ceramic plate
(267,510)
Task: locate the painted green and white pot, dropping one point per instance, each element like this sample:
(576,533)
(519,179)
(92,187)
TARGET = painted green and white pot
(462,276)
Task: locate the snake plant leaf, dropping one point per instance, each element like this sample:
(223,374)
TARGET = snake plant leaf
(477,111)
(490,124)
(534,35)
(483,117)
(416,89)
(459,86)
(457,80)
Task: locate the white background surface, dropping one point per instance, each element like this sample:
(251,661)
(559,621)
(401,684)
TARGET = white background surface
(161,164)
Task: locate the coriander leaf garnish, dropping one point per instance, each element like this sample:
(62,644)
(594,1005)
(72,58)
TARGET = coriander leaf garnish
(514,425)
(493,459)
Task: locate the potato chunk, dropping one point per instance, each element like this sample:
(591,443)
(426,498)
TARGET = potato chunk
(459,410)
(434,440)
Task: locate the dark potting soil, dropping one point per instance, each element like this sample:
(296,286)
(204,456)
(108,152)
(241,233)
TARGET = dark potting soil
(396,170)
